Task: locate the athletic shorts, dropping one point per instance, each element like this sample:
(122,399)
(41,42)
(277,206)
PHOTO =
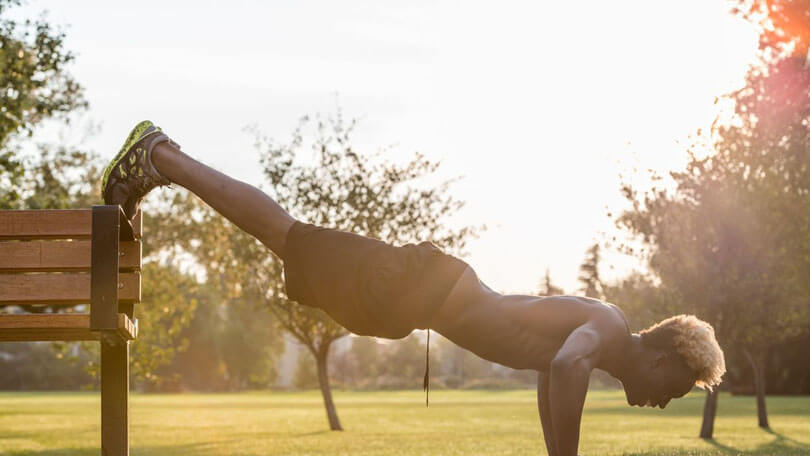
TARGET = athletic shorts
(368,286)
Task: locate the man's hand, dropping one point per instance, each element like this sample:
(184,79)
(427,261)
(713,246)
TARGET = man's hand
(567,387)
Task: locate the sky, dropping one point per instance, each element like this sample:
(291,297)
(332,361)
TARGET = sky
(539,106)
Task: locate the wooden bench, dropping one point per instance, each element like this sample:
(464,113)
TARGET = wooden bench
(58,259)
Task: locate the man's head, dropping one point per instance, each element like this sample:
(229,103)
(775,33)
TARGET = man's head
(670,358)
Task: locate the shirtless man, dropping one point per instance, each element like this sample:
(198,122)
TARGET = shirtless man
(373,288)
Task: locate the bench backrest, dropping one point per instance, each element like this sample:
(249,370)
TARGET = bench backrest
(70,257)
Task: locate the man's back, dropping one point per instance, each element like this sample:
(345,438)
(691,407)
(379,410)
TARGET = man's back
(522,332)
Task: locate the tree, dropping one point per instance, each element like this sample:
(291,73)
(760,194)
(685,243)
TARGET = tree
(782,25)
(589,273)
(34,83)
(731,240)
(345,189)
(547,288)
(57,177)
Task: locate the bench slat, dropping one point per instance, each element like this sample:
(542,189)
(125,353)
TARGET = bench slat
(49,256)
(61,289)
(44,327)
(45,224)
(52,224)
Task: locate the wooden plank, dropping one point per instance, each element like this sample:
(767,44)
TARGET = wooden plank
(61,289)
(45,224)
(51,256)
(44,327)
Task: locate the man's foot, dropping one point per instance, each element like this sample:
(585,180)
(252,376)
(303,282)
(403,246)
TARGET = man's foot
(131,174)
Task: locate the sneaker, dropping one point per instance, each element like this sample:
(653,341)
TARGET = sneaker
(131,174)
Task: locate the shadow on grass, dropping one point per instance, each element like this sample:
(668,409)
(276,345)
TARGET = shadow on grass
(781,439)
(780,445)
(313,433)
(214,448)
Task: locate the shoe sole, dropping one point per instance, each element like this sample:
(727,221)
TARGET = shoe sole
(135,135)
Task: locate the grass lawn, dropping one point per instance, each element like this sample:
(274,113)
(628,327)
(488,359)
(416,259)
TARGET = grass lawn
(391,423)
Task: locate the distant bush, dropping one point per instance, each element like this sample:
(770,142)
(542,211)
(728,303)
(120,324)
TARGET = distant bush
(493,383)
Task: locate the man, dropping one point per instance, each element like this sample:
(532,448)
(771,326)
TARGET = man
(373,288)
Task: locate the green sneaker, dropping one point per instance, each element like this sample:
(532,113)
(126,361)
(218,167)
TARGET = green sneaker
(131,174)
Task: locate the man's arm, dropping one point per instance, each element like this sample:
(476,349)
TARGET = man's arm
(568,385)
(544,408)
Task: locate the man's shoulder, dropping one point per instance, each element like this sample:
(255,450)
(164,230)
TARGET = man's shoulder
(611,324)
(608,319)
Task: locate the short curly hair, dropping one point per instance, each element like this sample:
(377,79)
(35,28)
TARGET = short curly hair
(694,340)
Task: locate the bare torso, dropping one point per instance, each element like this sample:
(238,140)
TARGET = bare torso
(521,332)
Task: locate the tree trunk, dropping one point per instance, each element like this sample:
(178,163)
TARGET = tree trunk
(758,367)
(326,390)
(709,412)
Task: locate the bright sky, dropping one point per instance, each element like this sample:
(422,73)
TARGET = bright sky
(539,105)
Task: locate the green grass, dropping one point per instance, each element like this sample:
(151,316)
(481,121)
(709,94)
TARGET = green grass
(391,423)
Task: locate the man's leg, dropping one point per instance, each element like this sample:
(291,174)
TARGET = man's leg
(245,205)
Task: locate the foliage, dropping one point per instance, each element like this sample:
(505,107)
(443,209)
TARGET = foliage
(782,25)
(250,344)
(732,238)
(57,177)
(730,242)
(589,273)
(547,287)
(236,325)
(457,366)
(34,81)
(404,361)
(358,366)
(306,375)
(34,85)
(37,366)
(641,300)
(169,302)
(365,354)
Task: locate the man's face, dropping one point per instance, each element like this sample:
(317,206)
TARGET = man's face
(659,378)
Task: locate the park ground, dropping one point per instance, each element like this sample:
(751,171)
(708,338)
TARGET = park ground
(392,423)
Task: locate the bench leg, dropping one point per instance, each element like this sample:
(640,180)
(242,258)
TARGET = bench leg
(114,397)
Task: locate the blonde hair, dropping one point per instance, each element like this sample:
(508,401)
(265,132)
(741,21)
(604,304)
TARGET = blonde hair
(694,340)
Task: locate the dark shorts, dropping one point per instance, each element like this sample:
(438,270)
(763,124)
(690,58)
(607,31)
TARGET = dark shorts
(370,287)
